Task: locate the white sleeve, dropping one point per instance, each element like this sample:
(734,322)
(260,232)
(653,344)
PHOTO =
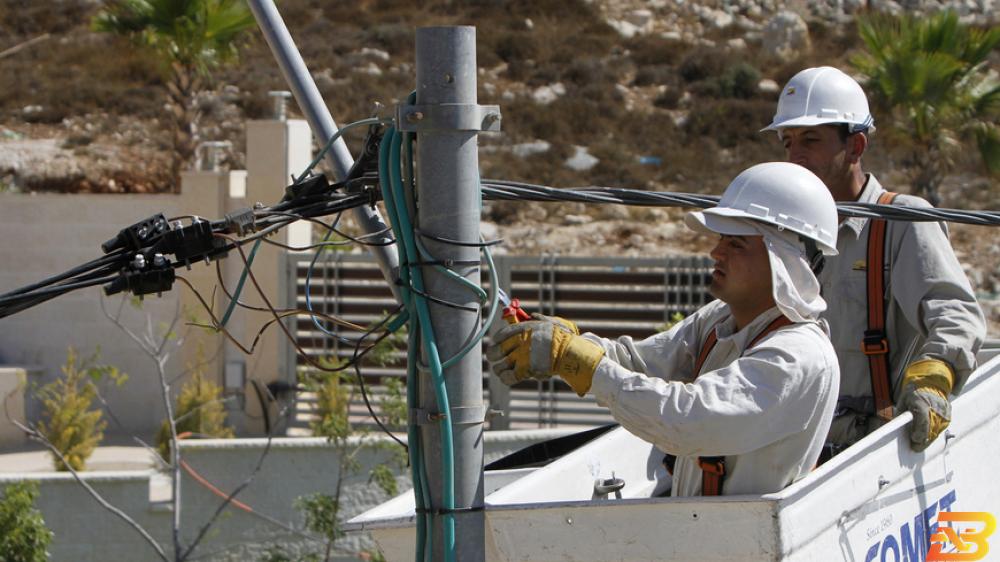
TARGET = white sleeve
(935,296)
(758,399)
(670,355)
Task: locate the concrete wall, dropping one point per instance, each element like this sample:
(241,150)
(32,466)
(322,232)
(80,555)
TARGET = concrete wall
(86,532)
(45,234)
(12,384)
(42,234)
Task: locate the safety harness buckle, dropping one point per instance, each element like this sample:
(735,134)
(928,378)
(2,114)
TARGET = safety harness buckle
(713,465)
(875,343)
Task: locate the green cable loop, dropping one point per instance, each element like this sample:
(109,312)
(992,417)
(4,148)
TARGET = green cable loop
(430,347)
(417,472)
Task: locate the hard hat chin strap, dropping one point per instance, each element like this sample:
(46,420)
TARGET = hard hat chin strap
(814,255)
(863,127)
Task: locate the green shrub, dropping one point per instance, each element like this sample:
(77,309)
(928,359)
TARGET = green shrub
(702,64)
(68,423)
(199,412)
(23,534)
(655,50)
(333,399)
(731,122)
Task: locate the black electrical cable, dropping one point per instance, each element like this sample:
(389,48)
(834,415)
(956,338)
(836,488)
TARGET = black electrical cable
(57,290)
(17,303)
(361,381)
(93,264)
(504,190)
(357,240)
(442,302)
(457,242)
(321,206)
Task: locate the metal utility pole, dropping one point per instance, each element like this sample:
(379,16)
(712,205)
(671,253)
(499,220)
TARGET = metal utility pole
(447,120)
(293,68)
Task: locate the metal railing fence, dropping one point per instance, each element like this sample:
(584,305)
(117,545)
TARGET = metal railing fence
(607,296)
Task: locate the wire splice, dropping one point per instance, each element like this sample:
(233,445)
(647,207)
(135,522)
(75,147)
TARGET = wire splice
(146,281)
(241,222)
(192,243)
(139,235)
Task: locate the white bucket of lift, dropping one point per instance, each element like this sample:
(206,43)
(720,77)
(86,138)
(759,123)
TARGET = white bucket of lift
(876,502)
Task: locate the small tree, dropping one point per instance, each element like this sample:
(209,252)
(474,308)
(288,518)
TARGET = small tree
(199,412)
(334,391)
(23,534)
(190,38)
(69,423)
(932,74)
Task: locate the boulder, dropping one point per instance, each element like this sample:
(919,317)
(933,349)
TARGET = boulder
(786,35)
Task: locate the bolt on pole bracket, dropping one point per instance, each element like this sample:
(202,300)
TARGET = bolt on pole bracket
(448,117)
(467,415)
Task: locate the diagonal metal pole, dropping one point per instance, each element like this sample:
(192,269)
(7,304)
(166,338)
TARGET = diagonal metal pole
(293,68)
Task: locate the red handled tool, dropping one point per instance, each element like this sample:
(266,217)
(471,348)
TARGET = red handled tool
(512,311)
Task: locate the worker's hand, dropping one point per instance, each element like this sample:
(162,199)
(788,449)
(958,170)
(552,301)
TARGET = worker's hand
(539,349)
(926,386)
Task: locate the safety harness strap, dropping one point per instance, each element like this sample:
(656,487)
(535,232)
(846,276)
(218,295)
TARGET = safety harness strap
(876,343)
(713,469)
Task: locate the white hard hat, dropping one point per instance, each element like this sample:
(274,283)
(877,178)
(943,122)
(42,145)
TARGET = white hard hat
(820,96)
(784,195)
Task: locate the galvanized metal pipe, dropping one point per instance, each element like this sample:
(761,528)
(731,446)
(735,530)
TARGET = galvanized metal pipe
(448,206)
(300,81)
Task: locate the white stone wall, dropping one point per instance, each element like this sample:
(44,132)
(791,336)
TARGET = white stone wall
(86,532)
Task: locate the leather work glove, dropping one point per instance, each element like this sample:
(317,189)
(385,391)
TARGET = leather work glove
(523,337)
(539,349)
(569,325)
(926,386)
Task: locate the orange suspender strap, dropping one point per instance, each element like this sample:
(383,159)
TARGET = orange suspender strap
(713,469)
(706,348)
(875,343)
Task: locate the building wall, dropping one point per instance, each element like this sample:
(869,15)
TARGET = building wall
(43,234)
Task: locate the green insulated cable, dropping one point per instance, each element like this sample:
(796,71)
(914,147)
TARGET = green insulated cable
(417,472)
(405,234)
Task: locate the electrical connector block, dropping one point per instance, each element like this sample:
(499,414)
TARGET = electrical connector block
(192,243)
(143,282)
(313,185)
(241,222)
(138,236)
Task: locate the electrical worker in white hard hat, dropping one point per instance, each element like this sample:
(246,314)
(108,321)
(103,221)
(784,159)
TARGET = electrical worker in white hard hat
(741,393)
(906,325)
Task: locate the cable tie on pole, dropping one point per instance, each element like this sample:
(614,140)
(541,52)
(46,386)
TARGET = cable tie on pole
(443,240)
(456,510)
(446,263)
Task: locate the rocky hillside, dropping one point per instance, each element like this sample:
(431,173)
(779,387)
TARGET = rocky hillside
(657,94)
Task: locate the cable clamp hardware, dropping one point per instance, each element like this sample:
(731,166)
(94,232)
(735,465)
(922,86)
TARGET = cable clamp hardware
(448,117)
(460,415)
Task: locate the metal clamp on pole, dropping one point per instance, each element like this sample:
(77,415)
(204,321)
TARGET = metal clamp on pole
(449,117)
(471,415)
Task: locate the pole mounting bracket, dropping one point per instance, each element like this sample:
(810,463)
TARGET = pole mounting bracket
(448,117)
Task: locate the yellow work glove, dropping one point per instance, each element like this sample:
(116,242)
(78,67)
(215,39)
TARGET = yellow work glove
(569,325)
(539,349)
(926,386)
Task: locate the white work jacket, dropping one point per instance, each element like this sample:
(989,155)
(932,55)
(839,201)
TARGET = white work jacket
(767,410)
(931,311)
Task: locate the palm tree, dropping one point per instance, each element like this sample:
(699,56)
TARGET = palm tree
(931,74)
(190,38)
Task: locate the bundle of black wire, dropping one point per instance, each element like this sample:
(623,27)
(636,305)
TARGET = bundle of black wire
(176,243)
(314,197)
